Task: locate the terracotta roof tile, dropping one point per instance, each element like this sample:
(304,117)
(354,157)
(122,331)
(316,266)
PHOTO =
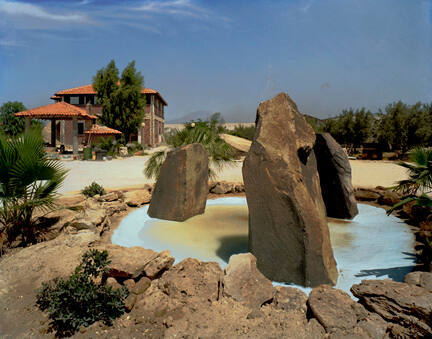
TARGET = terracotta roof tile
(58,110)
(88,89)
(102,130)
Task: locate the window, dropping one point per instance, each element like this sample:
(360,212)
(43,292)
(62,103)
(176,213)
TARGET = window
(80,128)
(74,100)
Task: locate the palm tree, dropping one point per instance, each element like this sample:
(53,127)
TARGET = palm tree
(419,179)
(202,132)
(28,181)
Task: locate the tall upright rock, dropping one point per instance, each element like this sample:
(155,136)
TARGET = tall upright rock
(182,187)
(288,231)
(334,171)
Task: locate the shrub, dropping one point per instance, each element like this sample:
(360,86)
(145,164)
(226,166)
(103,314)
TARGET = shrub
(79,301)
(206,133)
(241,131)
(93,189)
(28,181)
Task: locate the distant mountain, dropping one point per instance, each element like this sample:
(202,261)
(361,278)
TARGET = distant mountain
(203,115)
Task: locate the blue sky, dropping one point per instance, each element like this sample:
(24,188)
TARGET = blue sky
(224,56)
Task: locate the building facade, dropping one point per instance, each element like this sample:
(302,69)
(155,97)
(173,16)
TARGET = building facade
(150,133)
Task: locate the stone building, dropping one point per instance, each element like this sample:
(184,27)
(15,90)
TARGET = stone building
(150,132)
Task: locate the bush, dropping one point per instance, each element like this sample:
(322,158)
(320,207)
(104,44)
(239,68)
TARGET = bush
(93,189)
(28,182)
(79,301)
(206,133)
(246,132)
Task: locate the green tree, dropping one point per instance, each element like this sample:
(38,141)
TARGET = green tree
(419,125)
(123,104)
(10,124)
(28,181)
(105,83)
(393,132)
(362,127)
(202,132)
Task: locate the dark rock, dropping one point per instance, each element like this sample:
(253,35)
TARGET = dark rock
(334,172)
(389,198)
(284,198)
(192,278)
(408,306)
(182,188)
(364,194)
(243,282)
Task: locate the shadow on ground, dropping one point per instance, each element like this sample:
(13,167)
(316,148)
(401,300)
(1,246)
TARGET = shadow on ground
(230,245)
(394,273)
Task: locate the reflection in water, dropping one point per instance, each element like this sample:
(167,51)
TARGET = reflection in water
(371,246)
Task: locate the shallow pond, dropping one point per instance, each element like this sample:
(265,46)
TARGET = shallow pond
(372,246)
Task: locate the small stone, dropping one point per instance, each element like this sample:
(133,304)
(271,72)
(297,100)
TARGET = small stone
(130,302)
(112,282)
(255,313)
(129,283)
(162,262)
(141,286)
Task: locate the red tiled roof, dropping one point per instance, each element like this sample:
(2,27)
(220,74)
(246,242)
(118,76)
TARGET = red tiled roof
(102,130)
(59,110)
(55,97)
(88,89)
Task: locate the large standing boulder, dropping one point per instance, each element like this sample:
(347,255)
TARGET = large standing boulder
(182,188)
(334,171)
(288,231)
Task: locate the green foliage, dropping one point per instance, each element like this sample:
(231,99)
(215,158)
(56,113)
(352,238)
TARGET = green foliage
(123,105)
(79,301)
(419,179)
(393,126)
(241,131)
(28,181)
(351,127)
(10,124)
(93,189)
(134,147)
(202,132)
(399,126)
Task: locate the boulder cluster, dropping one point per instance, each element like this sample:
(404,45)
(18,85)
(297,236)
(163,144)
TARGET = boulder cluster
(199,299)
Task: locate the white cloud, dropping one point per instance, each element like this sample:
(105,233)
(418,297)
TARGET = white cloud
(17,9)
(11,43)
(174,7)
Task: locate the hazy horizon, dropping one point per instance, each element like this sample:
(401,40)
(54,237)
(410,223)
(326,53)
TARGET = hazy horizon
(224,56)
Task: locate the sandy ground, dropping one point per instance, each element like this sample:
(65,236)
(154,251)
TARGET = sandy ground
(122,173)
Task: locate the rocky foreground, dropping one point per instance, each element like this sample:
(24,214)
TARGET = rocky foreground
(199,299)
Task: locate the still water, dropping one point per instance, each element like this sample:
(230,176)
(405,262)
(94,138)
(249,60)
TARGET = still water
(372,246)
